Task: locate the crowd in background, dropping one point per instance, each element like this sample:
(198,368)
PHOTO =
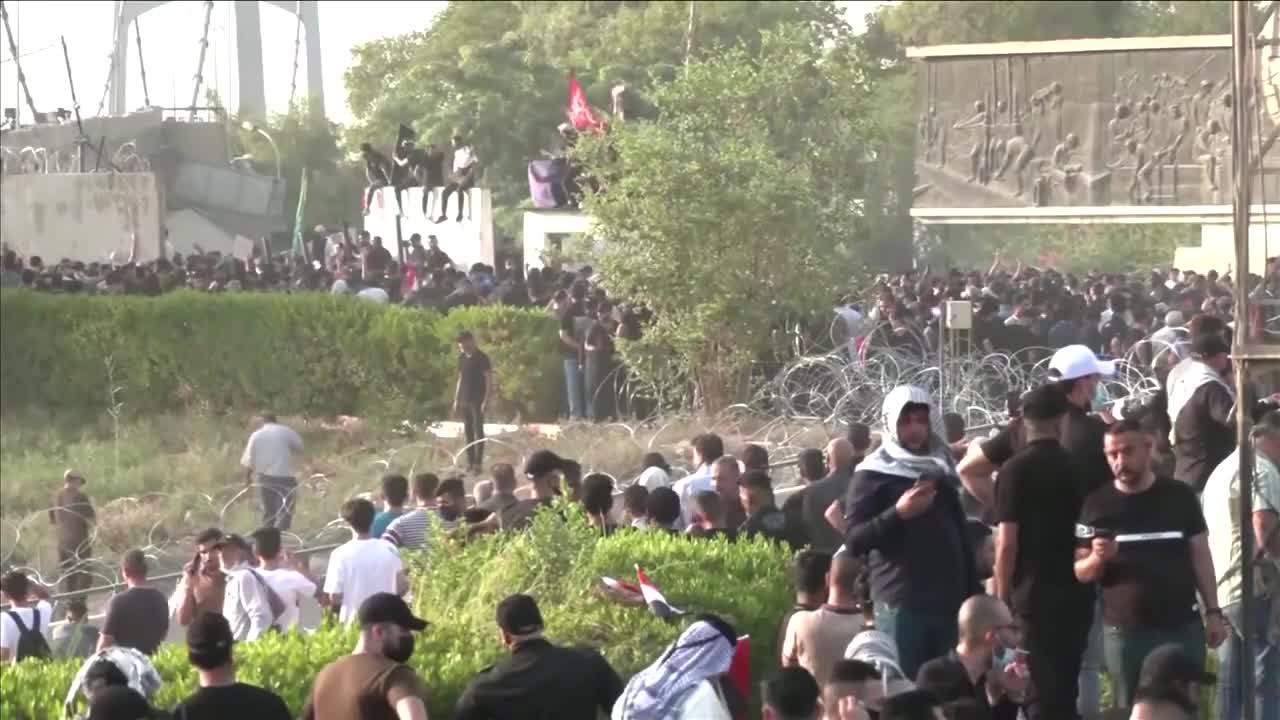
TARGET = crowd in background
(940,576)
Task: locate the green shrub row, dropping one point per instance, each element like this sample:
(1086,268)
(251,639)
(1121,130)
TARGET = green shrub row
(311,354)
(559,562)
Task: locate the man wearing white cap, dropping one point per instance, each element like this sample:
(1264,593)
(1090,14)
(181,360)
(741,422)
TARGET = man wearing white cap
(1078,371)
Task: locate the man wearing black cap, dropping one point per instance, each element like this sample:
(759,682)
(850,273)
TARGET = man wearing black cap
(209,648)
(538,680)
(1169,685)
(543,470)
(1038,500)
(373,682)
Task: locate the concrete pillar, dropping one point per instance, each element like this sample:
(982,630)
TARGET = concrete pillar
(119,61)
(252,101)
(310,10)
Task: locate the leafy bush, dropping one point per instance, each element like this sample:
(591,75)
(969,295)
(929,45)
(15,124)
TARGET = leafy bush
(297,354)
(559,562)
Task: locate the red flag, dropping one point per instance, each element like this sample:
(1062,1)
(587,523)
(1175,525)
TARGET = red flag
(654,598)
(740,668)
(581,116)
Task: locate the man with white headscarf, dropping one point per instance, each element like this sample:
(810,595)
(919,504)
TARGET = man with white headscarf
(904,513)
(686,682)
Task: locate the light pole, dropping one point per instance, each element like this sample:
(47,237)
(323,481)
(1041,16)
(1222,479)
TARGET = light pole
(275,150)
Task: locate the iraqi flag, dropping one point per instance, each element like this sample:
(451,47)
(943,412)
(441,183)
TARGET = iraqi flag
(654,598)
(580,114)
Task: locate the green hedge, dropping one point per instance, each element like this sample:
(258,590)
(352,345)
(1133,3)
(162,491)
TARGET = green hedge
(558,562)
(312,354)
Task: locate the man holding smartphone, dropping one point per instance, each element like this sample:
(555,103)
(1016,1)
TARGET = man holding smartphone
(1143,538)
(904,513)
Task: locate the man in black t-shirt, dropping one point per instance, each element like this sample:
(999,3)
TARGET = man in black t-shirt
(209,643)
(1038,500)
(471,396)
(763,516)
(375,260)
(1143,539)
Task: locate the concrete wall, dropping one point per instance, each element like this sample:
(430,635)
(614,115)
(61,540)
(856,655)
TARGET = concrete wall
(82,217)
(467,242)
(205,142)
(538,224)
(1217,248)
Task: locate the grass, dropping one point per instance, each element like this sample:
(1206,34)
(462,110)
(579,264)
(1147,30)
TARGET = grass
(156,481)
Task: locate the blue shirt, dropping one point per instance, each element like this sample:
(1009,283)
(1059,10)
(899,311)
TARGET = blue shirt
(382,521)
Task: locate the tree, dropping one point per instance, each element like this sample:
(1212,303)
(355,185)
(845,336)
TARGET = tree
(721,216)
(497,71)
(307,141)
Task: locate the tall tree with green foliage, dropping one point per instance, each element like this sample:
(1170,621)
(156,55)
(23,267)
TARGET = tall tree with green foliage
(497,72)
(722,214)
(310,142)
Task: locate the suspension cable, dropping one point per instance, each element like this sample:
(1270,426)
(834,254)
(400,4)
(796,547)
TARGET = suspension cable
(17,63)
(204,46)
(142,66)
(297,44)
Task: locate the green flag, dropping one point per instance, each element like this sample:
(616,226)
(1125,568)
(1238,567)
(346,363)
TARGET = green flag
(299,247)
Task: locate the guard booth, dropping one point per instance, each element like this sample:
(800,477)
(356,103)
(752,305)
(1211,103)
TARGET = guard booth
(545,230)
(467,242)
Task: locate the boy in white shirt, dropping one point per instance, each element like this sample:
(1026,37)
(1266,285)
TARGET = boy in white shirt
(362,566)
(291,585)
(29,604)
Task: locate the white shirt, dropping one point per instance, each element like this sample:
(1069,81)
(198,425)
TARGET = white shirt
(688,488)
(358,569)
(463,158)
(374,295)
(292,586)
(270,450)
(245,604)
(1221,501)
(9,631)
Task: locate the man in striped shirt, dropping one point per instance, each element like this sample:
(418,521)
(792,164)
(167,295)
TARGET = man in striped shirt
(410,530)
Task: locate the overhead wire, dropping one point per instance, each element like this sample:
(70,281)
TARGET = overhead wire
(29,52)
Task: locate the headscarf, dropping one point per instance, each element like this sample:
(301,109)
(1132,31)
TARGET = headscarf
(878,648)
(653,478)
(1185,378)
(700,653)
(137,669)
(893,459)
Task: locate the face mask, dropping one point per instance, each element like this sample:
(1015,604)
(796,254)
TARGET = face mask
(400,650)
(1001,658)
(1100,396)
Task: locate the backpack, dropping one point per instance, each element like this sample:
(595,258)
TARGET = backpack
(273,600)
(31,642)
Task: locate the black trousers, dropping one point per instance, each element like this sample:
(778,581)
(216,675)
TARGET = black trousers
(473,427)
(460,186)
(1055,634)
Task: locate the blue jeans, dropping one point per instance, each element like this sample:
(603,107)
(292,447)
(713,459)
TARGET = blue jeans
(573,387)
(1266,665)
(920,636)
(1090,701)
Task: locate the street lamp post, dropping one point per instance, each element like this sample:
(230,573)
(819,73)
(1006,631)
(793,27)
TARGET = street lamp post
(274,150)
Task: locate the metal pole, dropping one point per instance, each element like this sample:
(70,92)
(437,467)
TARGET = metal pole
(1242,41)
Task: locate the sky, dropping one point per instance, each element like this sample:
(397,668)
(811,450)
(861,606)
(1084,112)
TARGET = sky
(170,47)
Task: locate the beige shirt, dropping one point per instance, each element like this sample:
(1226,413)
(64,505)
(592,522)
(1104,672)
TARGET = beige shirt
(816,640)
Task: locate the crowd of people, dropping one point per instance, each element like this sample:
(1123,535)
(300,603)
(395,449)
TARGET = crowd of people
(975,579)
